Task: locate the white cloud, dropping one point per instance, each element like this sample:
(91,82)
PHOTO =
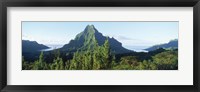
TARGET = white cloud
(123,38)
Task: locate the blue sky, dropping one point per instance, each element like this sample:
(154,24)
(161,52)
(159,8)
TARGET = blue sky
(130,34)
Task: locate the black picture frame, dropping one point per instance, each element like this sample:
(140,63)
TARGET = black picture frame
(99,3)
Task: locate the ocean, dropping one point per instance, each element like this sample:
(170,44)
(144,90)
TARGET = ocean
(134,48)
(137,48)
(52,47)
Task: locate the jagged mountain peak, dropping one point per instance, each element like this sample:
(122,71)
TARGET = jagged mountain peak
(90,28)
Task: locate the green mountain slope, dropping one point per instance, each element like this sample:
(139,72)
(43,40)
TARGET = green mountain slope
(86,40)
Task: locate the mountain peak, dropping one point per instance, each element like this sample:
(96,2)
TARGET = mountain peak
(90,28)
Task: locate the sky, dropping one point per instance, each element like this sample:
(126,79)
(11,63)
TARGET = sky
(130,34)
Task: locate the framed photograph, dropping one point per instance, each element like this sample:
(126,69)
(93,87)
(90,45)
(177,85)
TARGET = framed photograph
(74,45)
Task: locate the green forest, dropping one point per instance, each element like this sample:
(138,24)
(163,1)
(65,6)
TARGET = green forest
(100,57)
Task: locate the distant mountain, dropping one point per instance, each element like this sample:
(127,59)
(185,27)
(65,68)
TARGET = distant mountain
(173,44)
(87,38)
(32,46)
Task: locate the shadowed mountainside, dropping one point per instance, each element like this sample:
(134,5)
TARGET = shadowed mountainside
(173,44)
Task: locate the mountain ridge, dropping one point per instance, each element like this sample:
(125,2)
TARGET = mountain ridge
(172,44)
(32,46)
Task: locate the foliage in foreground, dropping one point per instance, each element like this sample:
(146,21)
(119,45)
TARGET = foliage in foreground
(100,58)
